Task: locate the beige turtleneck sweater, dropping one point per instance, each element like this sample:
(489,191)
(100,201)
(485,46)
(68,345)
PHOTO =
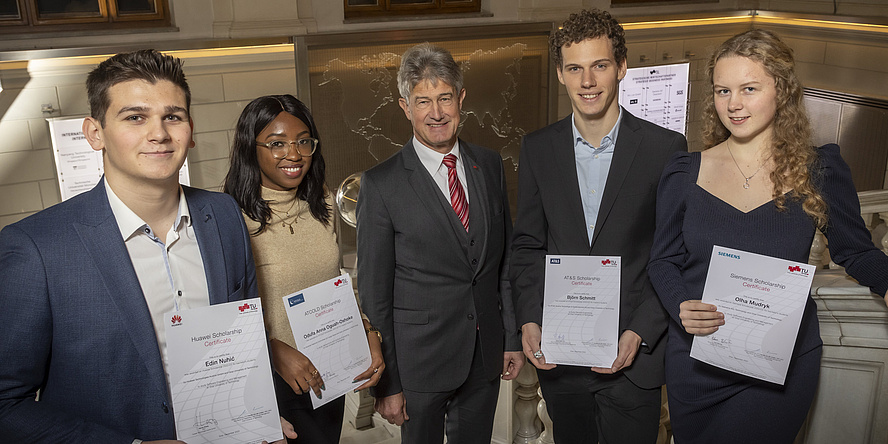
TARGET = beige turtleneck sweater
(285,262)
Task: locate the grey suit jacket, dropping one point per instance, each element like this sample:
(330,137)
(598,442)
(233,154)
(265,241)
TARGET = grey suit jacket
(426,284)
(550,221)
(76,324)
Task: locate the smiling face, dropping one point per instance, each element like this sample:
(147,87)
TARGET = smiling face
(146,135)
(433,110)
(592,77)
(287,173)
(745,98)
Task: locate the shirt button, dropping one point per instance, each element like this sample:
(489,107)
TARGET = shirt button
(472,243)
(471,316)
(596,156)
(474,283)
(179,292)
(474,261)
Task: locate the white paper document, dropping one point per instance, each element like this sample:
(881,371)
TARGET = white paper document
(328,330)
(220,374)
(763,299)
(581,310)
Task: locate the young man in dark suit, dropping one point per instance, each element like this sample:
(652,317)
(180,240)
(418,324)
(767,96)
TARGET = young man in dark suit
(587,186)
(433,231)
(85,284)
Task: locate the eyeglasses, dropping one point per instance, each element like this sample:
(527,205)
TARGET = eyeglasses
(281,148)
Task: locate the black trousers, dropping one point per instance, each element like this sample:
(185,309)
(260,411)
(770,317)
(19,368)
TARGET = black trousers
(314,426)
(587,407)
(465,413)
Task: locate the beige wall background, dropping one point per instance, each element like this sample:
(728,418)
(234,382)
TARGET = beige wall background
(225,80)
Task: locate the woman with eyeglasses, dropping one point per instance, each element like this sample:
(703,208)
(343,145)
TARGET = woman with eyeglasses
(277,178)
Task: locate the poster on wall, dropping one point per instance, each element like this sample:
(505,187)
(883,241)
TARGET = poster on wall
(78,166)
(658,94)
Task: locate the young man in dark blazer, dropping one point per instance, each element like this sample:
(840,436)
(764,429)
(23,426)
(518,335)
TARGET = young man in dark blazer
(85,284)
(587,186)
(433,232)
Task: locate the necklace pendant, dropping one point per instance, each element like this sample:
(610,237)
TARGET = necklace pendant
(745,186)
(291,230)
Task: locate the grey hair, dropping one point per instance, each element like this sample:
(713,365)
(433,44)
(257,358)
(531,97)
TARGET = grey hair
(428,62)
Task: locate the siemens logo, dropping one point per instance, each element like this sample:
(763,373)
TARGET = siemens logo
(732,256)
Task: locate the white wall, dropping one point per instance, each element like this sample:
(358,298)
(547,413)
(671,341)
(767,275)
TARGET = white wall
(221,86)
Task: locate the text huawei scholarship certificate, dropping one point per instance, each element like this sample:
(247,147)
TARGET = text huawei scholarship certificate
(220,375)
(581,310)
(763,299)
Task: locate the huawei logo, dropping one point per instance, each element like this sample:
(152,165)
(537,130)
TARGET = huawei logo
(244,307)
(606,262)
(795,268)
(176,319)
(339,282)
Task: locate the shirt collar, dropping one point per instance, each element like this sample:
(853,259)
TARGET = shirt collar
(432,159)
(129,223)
(607,142)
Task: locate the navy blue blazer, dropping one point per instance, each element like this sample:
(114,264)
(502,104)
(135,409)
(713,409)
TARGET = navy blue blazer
(76,325)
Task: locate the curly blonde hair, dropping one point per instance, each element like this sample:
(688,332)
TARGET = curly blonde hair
(793,153)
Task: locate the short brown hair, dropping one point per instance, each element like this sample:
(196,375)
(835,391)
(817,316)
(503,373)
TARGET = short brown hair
(146,64)
(588,24)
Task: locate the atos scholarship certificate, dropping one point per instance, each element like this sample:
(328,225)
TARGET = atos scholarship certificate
(581,310)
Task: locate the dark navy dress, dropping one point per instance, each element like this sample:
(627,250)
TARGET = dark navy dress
(708,404)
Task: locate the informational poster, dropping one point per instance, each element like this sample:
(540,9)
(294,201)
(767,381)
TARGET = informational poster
(658,94)
(78,166)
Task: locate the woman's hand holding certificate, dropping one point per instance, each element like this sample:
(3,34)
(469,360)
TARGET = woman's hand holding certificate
(762,300)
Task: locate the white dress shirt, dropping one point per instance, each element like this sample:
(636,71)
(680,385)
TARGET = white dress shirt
(433,161)
(170,269)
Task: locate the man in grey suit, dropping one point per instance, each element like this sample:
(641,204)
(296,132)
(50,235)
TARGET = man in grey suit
(433,230)
(587,186)
(85,284)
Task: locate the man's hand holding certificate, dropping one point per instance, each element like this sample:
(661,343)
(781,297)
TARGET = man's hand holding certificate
(763,299)
(220,375)
(581,310)
(327,326)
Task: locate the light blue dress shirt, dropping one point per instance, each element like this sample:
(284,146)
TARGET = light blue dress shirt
(593,165)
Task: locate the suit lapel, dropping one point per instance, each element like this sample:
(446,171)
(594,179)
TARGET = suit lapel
(478,196)
(101,237)
(565,161)
(432,199)
(210,243)
(628,142)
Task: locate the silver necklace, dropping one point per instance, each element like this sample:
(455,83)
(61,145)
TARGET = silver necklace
(745,185)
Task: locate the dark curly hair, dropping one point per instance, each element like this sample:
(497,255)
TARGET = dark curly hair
(244,179)
(588,24)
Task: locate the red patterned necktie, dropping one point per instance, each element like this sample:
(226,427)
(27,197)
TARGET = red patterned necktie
(457,195)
